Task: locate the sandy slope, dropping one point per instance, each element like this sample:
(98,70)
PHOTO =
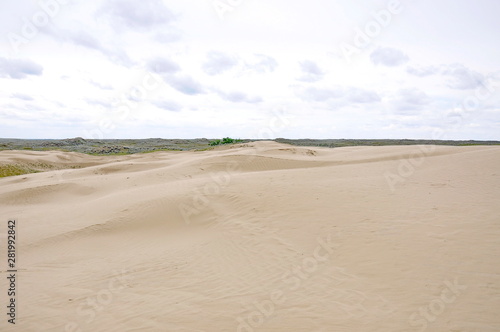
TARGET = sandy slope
(258,237)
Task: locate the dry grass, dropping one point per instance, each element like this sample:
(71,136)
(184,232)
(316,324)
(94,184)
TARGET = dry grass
(15,169)
(28,168)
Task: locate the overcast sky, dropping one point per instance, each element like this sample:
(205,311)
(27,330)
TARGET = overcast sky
(250,69)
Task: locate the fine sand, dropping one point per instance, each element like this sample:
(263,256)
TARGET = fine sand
(256,237)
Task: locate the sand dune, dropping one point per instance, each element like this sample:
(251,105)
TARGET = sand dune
(258,237)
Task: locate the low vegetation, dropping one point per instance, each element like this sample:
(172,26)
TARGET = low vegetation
(13,170)
(225,140)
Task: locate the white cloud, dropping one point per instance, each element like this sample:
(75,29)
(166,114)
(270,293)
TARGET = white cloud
(409,101)
(262,64)
(167,105)
(239,97)
(310,71)
(423,71)
(218,62)
(19,68)
(21,96)
(462,78)
(100,85)
(97,102)
(458,76)
(184,84)
(163,66)
(389,57)
(142,15)
(85,39)
(345,95)
(362,96)
(319,94)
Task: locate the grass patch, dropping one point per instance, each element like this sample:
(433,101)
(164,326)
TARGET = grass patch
(161,149)
(53,149)
(473,144)
(29,168)
(13,170)
(100,154)
(126,153)
(204,149)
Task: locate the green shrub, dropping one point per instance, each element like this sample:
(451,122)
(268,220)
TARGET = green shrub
(225,140)
(215,142)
